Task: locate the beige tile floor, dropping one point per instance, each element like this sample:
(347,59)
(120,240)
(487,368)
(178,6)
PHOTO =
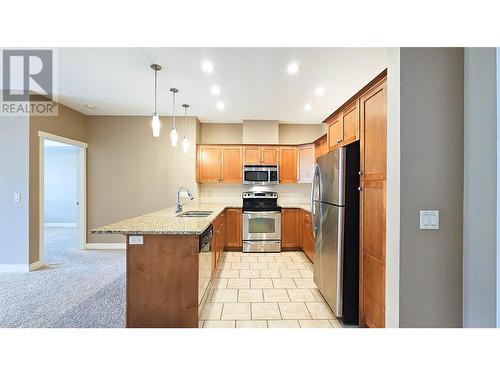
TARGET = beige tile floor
(265,291)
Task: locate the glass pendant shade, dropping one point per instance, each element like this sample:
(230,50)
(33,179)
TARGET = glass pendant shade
(156,125)
(174,137)
(185,144)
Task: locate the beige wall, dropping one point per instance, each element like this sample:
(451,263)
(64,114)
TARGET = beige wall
(221,133)
(260,132)
(131,173)
(300,133)
(68,124)
(211,133)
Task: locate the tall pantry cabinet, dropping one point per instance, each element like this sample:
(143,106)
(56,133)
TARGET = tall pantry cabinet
(373,175)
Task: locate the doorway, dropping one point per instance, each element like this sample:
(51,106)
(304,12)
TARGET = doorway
(62,197)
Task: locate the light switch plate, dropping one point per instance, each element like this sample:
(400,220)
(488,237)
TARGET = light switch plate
(429,219)
(136,240)
(17,197)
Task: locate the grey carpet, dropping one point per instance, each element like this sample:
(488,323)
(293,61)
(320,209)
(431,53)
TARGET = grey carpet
(78,288)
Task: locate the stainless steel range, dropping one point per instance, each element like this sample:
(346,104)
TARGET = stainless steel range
(261,222)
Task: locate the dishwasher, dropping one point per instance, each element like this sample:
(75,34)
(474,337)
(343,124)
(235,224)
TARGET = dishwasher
(204,263)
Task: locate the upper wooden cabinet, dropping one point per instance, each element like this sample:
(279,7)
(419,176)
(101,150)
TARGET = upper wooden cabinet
(373,110)
(306,164)
(350,123)
(219,164)
(252,155)
(270,155)
(232,171)
(334,133)
(343,128)
(260,154)
(320,146)
(209,163)
(288,164)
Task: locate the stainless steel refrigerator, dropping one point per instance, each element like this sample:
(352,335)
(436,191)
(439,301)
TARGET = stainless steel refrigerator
(335,220)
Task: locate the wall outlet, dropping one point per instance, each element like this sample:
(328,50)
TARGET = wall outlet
(136,240)
(429,219)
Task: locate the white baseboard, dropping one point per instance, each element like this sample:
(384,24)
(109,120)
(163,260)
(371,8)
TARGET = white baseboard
(59,225)
(14,268)
(105,246)
(36,265)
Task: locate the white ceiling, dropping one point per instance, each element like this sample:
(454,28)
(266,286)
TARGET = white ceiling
(254,82)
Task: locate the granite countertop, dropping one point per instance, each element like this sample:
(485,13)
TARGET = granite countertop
(165,222)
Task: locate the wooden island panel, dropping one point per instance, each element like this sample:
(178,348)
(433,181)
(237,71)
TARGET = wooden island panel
(162,282)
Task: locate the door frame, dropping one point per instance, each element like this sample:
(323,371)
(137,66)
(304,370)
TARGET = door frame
(81,189)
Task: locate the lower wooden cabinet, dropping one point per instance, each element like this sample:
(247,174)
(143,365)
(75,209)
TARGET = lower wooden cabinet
(233,228)
(290,228)
(306,235)
(218,239)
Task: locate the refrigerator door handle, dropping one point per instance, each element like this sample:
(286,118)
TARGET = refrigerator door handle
(314,213)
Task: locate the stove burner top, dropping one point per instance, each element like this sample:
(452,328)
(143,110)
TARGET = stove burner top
(260,201)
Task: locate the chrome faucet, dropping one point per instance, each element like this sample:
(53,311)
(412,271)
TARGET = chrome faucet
(178,206)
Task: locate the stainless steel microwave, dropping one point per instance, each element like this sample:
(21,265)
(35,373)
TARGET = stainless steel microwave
(260,175)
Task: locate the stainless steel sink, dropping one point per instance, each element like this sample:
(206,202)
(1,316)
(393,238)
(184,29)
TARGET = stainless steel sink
(195,214)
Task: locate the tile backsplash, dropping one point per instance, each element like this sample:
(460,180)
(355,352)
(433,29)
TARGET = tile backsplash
(226,193)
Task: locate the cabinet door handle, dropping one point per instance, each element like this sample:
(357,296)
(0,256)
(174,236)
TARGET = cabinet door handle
(360,173)
(360,188)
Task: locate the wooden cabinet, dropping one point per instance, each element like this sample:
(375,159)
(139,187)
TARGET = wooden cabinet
(260,154)
(252,154)
(218,239)
(288,164)
(208,163)
(232,170)
(290,228)
(233,228)
(270,155)
(306,164)
(219,164)
(373,138)
(350,123)
(306,235)
(343,128)
(320,146)
(334,133)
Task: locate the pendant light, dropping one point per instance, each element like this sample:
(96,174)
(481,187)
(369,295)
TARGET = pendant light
(155,122)
(185,141)
(173,132)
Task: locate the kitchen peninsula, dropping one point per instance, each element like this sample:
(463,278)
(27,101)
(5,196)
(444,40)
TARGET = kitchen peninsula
(163,262)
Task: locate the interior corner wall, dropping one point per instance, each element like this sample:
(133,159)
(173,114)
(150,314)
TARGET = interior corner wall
(69,124)
(14,178)
(480,188)
(432,165)
(393,188)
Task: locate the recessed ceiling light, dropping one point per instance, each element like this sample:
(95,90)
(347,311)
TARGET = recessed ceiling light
(215,90)
(91,106)
(207,67)
(320,91)
(221,106)
(307,107)
(293,68)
